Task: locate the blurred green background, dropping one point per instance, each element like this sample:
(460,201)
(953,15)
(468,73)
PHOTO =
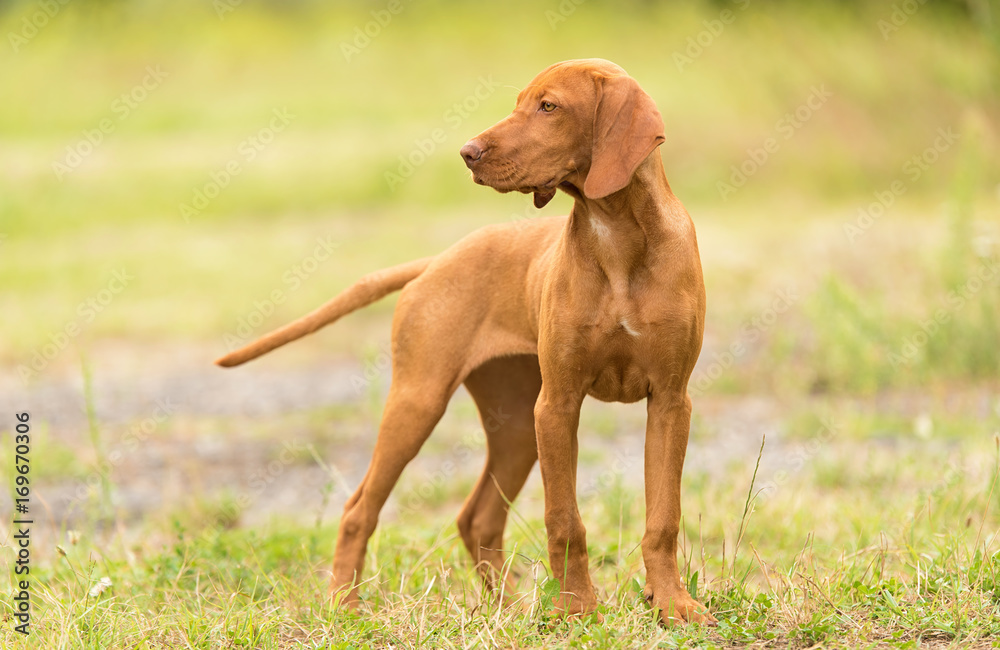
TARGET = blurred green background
(96,166)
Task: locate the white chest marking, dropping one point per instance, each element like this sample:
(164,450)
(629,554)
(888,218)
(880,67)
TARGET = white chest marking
(601,230)
(628,328)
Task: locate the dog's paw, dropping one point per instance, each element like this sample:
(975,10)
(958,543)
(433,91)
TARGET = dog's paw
(558,615)
(344,597)
(571,606)
(678,607)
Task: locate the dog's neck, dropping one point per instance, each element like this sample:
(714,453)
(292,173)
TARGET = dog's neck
(624,231)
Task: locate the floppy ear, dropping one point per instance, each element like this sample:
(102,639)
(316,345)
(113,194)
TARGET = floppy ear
(627,127)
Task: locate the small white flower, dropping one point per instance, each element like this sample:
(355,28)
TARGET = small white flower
(98,589)
(923,426)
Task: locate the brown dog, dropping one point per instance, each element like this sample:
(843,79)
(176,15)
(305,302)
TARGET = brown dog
(608,302)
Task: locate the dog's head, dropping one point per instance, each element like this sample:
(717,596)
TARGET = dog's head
(583,123)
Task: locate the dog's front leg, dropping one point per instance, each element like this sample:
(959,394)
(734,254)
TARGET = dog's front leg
(667,427)
(557,416)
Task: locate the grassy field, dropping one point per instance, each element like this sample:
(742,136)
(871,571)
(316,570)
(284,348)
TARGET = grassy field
(176,178)
(893,550)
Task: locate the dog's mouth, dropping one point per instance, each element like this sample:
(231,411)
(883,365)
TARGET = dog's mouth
(543,192)
(547,186)
(510,183)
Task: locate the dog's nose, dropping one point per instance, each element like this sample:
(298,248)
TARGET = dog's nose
(471,153)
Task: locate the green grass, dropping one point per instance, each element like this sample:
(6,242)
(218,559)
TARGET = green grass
(861,528)
(913,561)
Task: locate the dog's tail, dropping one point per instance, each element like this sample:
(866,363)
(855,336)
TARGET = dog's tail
(363,292)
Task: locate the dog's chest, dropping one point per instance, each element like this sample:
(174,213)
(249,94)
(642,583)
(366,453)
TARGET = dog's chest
(623,332)
(617,351)
(620,382)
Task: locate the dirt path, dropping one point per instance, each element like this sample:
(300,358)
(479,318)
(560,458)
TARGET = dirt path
(206,447)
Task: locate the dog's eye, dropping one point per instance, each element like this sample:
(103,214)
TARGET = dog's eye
(548,107)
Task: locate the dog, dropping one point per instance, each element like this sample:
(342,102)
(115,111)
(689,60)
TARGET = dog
(533,317)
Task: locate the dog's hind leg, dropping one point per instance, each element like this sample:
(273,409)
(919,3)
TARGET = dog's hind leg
(411,412)
(505,390)
(436,334)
